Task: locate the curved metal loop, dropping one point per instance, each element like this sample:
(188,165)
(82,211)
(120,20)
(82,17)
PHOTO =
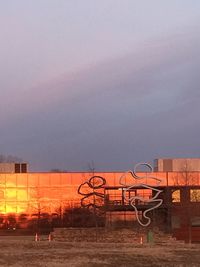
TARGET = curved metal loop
(135,176)
(96,185)
(95,182)
(80,188)
(140,165)
(133,200)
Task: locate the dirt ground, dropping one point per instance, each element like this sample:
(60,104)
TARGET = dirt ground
(24,251)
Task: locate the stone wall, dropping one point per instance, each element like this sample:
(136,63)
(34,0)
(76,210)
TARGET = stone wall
(109,235)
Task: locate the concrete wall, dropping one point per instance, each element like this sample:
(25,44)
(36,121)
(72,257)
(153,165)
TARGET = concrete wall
(176,165)
(7,167)
(12,167)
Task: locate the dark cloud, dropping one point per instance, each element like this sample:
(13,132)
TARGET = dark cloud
(135,108)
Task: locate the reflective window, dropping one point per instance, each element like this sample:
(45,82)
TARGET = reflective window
(176,196)
(195,195)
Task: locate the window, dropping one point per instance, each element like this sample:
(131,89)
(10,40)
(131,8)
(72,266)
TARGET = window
(23,167)
(176,196)
(17,168)
(195,195)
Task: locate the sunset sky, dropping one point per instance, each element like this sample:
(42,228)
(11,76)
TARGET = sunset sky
(113,82)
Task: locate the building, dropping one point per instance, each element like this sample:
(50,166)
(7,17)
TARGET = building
(13,167)
(177,164)
(44,200)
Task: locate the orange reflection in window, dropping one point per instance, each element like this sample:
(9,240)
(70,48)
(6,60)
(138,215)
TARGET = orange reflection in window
(13,199)
(31,193)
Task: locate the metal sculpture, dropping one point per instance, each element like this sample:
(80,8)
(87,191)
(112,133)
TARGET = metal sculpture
(132,200)
(92,197)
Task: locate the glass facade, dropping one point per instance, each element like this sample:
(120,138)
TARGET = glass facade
(27,196)
(30,192)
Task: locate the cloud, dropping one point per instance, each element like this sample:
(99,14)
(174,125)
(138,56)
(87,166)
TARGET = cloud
(132,108)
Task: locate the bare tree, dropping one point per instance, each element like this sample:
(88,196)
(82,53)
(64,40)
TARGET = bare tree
(186,176)
(9,158)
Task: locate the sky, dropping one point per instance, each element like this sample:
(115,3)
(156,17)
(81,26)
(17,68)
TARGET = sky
(108,83)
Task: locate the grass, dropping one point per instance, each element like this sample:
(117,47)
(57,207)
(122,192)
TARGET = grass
(24,251)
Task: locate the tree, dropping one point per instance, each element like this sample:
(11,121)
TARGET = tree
(9,159)
(185,176)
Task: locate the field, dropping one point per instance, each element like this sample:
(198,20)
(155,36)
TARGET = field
(24,251)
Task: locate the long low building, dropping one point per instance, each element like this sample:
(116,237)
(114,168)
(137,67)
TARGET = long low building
(32,200)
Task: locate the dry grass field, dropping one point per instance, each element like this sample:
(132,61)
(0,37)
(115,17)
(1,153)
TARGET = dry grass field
(24,251)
